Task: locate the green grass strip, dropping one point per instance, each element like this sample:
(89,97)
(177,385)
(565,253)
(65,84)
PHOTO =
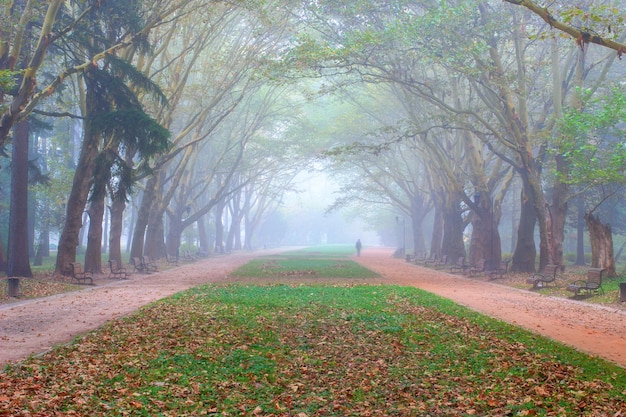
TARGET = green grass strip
(314,351)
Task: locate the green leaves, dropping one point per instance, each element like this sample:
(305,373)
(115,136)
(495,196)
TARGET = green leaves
(593,141)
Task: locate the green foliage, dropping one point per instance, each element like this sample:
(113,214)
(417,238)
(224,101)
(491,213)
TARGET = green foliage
(7,80)
(315,351)
(593,142)
(600,19)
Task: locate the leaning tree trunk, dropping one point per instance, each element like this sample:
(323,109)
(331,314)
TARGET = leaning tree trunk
(83,178)
(601,238)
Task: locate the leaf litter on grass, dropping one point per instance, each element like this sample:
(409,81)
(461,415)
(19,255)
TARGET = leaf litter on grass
(314,351)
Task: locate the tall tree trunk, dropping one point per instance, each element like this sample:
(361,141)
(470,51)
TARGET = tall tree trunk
(155,245)
(93,254)
(601,238)
(219,227)
(115,235)
(558,215)
(418,213)
(174,233)
(132,222)
(485,241)
(525,250)
(143,213)
(580,232)
(18,264)
(105,231)
(203,238)
(32,214)
(3,256)
(452,243)
(436,239)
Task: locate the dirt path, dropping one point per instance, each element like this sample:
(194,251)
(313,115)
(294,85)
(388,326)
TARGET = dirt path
(590,328)
(34,326)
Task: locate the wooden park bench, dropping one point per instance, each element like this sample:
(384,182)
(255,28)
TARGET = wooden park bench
(116,271)
(479,268)
(459,265)
(543,279)
(433,259)
(149,264)
(441,262)
(79,275)
(592,285)
(138,265)
(499,271)
(172,260)
(410,257)
(188,257)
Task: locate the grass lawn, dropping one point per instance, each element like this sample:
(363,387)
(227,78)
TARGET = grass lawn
(311,351)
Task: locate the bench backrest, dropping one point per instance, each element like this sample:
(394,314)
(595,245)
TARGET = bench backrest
(550,270)
(77,268)
(594,277)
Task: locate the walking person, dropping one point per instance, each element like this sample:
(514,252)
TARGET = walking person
(358,247)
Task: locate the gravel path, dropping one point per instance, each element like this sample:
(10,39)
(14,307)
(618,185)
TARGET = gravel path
(35,326)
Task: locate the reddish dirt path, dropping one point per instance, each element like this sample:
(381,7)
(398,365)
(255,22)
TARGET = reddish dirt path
(34,326)
(593,329)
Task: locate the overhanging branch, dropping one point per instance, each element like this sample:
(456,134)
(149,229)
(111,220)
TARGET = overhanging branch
(582,37)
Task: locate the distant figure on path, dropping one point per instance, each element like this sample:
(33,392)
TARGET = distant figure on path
(358,247)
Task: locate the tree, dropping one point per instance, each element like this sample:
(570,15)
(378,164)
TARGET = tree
(114,118)
(596,152)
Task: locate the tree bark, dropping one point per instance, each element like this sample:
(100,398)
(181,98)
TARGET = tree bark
(156,245)
(174,233)
(3,257)
(580,232)
(601,238)
(203,237)
(452,243)
(115,233)
(93,254)
(83,178)
(143,213)
(436,239)
(525,250)
(418,213)
(485,241)
(219,227)
(18,264)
